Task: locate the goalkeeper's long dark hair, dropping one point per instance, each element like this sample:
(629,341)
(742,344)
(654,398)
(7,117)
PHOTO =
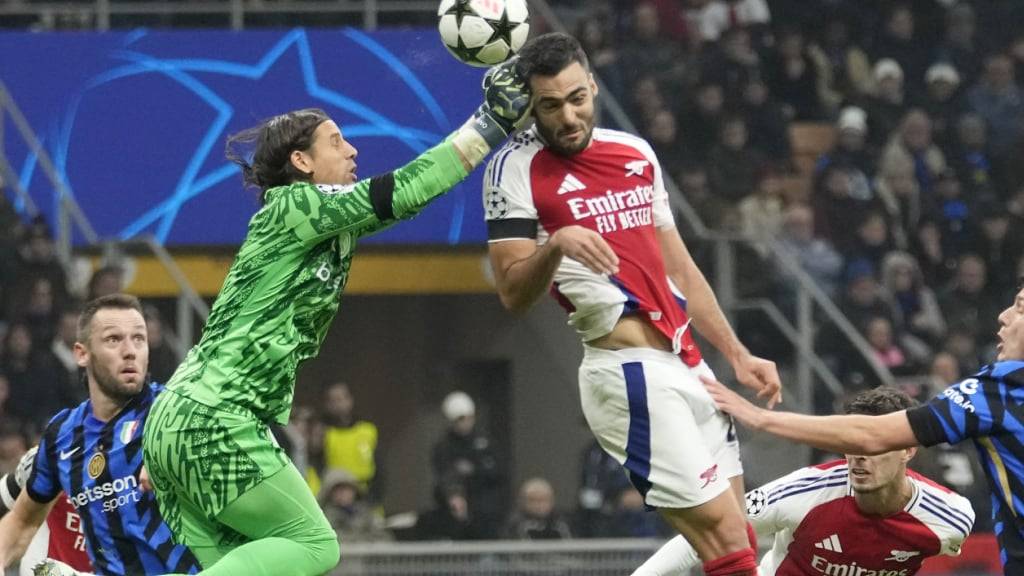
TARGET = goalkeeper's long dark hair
(264,152)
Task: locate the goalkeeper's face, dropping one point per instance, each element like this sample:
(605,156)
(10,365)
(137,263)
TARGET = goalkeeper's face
(330,159)
(563,107)
(116,353)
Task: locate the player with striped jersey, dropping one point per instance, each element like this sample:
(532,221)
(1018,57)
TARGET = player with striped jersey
(93,454)
(987,408)
(865,515)
(583,212)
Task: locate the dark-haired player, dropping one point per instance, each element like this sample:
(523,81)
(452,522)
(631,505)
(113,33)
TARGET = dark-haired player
(93,454)
(861,515)
(583,211)
(987,408)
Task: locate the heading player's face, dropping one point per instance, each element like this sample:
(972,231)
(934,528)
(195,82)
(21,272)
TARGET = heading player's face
(1011,331)
(332,159)
(871,473)
(116,355)
(563,107)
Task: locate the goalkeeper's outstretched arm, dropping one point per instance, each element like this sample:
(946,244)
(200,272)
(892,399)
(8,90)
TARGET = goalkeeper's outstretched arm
(375,203)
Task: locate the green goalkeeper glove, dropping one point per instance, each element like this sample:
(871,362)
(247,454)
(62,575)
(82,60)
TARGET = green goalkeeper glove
(506,106)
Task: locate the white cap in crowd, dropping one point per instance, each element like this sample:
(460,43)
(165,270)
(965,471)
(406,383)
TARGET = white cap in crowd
(456,405)
(942,71)
(887,67)
(853,118)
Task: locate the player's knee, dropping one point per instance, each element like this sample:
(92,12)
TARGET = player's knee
(327,553)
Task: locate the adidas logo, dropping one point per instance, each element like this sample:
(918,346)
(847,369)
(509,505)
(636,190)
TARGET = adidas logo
(570,184)
(831,544)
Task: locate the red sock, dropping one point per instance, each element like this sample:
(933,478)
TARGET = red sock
(742,563)
(752,536)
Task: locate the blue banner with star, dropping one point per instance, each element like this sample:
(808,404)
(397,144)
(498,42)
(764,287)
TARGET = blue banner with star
(136,121)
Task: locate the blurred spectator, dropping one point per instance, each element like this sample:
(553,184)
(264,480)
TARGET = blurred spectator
(703,119)
(849,70)
(7,416)
(851,150)
(12,446)
(648,54)
(998,99)
(647,99)
(61,354)
(900,196)
(887,104)
(972,159)
(897,42)
(732,164)
(35,393)
(913,144)
(873,241)
(836,204)
(450,518)
(535,517)
(711,18)
(669,146)
(106,280)
(959,45)
(632,519)
(968,303)
(999,248)
(694,186)
(761,212)
(349,443)
(953,215)
(942,102)
(767,123)
(595,35)
(817,256)
(163,361)
(879,334)
(733,64)
(795,79)
(601,481)
(353,519)
(943,371)
(464,456)
(927,246)
(39,311)
(917,303)
(39,260)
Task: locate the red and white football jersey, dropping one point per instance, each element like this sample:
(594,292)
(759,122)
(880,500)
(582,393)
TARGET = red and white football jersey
(818,528)
(61,537)
(613,187)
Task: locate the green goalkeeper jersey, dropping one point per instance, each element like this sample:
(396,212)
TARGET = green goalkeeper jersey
(283,289)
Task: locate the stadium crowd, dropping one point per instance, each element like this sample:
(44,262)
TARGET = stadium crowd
(910,219)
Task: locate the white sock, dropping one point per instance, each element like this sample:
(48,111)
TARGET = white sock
(675,558)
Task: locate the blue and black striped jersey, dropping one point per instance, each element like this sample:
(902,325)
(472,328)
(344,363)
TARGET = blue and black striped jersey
(97,465)
(989,409)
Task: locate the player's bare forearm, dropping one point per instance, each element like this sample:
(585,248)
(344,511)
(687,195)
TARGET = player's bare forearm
(18,527)
(844,434)
(523,271)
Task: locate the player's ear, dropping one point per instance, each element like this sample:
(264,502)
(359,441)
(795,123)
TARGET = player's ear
(593,84)
(81,354)
(301,161)
(911,452)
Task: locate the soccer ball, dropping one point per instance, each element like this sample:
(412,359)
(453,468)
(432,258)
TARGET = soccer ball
(483,32)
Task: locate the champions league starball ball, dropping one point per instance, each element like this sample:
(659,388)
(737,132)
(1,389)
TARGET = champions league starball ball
(483,32)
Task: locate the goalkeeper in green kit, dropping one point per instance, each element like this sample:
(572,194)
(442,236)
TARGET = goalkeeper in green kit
(223,485)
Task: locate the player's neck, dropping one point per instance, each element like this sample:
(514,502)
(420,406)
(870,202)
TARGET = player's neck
(888,500)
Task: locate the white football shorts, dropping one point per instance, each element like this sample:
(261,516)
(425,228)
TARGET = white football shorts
(651,413)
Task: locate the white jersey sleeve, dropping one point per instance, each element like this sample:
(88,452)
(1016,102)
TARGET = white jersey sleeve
(948,514)
(508,201)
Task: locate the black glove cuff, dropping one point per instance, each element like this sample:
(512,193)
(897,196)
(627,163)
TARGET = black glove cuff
(490,128)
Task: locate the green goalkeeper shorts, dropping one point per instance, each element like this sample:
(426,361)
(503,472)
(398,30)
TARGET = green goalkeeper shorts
(201,459)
